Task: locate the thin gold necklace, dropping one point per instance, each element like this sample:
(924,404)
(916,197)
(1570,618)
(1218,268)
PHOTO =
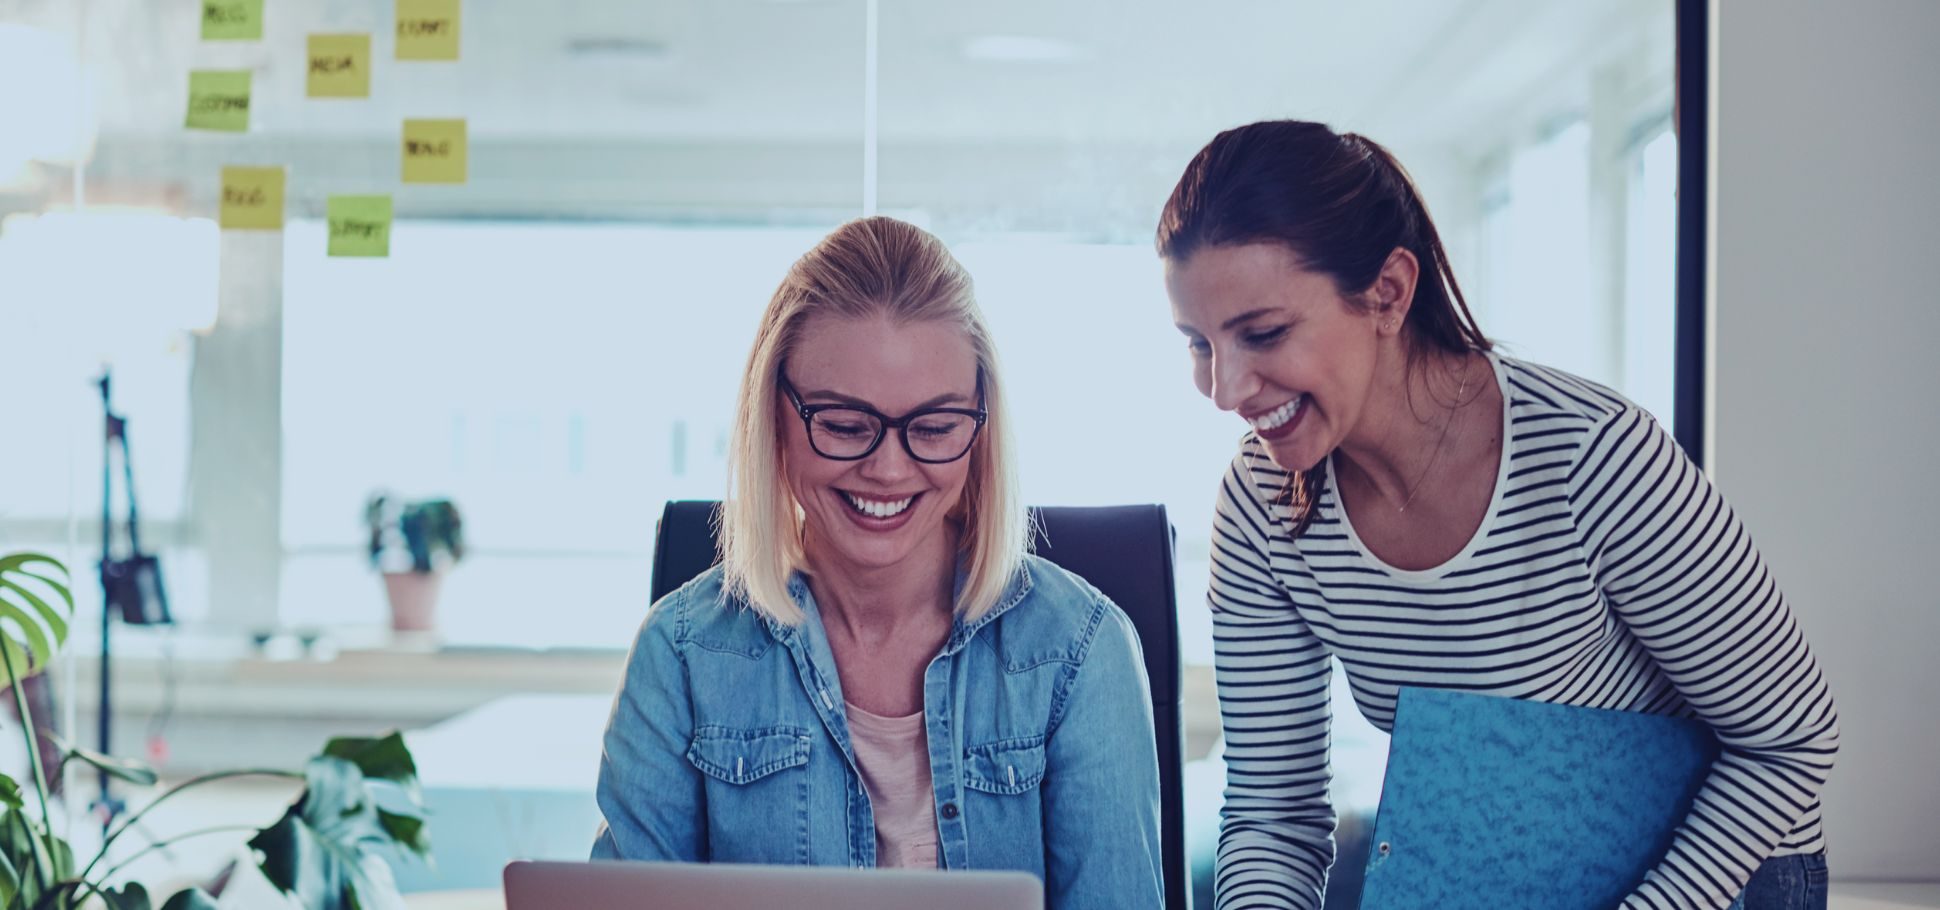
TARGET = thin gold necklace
(1460,398)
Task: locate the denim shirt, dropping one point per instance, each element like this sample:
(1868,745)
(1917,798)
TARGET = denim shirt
(729,743)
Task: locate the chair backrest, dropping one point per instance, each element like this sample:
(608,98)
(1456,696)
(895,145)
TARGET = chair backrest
(1124,551)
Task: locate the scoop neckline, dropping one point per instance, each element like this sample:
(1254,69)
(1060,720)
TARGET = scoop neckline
(881,720)
(1461,557)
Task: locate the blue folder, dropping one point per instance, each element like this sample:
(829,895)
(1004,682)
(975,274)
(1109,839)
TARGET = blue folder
(1497,803)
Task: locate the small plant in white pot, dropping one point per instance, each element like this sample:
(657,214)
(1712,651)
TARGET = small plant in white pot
(413,543)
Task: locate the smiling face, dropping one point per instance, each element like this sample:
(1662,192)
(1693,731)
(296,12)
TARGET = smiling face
(1281,345)
(877,512)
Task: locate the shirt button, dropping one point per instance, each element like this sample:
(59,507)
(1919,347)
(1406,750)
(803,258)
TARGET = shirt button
(949,810)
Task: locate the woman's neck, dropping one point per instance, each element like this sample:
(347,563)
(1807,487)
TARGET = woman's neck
(1413,415)
(878,603)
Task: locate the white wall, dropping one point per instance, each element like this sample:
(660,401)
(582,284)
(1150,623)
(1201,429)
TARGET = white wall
(1827,232)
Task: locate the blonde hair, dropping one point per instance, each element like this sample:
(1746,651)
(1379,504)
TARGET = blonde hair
(871,267)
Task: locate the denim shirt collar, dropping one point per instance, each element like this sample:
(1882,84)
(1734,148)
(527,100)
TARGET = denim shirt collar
(808,646)
(960,632)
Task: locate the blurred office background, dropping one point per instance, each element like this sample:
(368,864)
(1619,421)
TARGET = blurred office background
(555,344)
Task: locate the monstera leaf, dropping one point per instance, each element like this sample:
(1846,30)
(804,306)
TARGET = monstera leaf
(387,759)
(10,865)
(384,758)
(330,850)
(34,608)
(21,840)
(192,899)
(135,897)
(327,849)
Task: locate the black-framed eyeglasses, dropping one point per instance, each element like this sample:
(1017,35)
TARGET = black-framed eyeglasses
(848,432)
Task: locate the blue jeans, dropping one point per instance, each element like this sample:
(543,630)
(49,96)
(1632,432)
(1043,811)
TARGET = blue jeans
(1786,883)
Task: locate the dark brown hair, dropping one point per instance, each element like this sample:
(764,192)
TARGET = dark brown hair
(1342,204)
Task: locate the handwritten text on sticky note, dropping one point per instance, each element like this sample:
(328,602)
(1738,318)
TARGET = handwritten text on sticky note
(252,198)
(427,29)
(219,100)
(232,20)
(360,225)
(434,151)
(339,66)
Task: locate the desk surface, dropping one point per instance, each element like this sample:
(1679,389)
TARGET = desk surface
(1874,896)
(563,733)
(1844,897)
(558,739)
(456,900)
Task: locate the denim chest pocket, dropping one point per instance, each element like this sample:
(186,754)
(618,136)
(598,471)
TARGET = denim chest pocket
(757,792)
(1007,767)
(744,756)
(1004,805)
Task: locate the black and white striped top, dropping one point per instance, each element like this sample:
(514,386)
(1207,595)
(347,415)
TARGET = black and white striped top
(1607,573)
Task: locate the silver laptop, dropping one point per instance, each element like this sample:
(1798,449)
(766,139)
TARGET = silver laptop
(613,885)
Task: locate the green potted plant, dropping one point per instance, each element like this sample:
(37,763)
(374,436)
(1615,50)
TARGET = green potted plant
(412,544)
(360,801)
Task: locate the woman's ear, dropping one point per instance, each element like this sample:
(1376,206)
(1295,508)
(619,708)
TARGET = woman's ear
(1393,291)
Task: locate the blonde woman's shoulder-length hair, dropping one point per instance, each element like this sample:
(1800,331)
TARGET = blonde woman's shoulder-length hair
(871,267)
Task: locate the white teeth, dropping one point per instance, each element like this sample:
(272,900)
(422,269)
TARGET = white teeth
(1277,418)
(878,509)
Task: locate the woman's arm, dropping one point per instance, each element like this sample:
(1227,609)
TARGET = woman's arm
(1276,833)
(648,793)
(1682,573)
(1101,779)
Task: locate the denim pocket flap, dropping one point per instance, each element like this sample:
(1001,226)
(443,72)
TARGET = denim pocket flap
(1008,766)
(745,756)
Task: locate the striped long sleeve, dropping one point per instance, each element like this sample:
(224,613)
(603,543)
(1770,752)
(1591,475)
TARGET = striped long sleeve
(1680,570)
(1276,835)
(1606,573)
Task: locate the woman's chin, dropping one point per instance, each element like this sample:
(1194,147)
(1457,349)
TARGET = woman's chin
(873,554)
(1292,456)
(872,549)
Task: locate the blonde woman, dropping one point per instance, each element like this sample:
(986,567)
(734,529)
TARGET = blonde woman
(878,674)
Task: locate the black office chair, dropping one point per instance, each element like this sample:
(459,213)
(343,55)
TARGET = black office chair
(1124,551)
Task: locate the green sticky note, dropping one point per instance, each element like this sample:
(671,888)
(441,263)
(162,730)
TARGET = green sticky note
(360,225)
(232,20)
(434,151)
(219,100)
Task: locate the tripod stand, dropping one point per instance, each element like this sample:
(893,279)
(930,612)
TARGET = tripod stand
(130,585)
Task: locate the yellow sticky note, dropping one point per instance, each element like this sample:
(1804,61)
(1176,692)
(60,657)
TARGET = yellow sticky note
(232,20)
(339,66)
(252,198)
(427,29)
(434,151)
(360,225)
(219,100)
